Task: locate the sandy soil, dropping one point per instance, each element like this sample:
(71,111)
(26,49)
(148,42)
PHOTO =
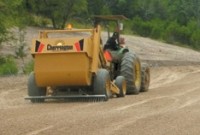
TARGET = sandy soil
(171,106)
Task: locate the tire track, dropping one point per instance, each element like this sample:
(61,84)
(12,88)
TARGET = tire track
(40,130)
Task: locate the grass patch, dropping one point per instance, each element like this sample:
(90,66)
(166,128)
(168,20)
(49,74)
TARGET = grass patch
(8,66)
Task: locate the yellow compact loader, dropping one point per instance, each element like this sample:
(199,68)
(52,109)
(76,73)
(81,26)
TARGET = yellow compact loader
(78,65)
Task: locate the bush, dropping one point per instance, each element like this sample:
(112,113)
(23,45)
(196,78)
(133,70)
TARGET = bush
(158,28)
(8,66)
(127,27)
(184,35)
(176,33)
(29,67)
(195,39)
(140,27)
(153,28)
(171,32)
(192,25)
(39,21)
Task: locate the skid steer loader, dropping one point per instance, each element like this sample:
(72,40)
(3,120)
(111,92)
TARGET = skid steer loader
(82,67)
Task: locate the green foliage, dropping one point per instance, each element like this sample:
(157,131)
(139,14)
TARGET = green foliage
(8,66)
(21,46)
(171,32)
(93,6)
(140,27)
(12,13)
(29,67)
(39,21)
(59,11)
(3,33)
(153,28)
(176,33)
(195,39)
(158,28)
(127,27)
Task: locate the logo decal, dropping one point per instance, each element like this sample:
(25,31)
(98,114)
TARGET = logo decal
(39,46)
(59,47)
(79,45)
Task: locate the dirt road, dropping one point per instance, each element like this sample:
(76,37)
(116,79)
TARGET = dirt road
(171,107)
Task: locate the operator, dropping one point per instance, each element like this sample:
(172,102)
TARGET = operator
(112,43)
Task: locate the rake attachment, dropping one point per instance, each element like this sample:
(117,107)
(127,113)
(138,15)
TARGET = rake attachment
(73,98)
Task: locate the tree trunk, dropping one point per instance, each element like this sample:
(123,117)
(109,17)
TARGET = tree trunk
(54,23)
(63,23)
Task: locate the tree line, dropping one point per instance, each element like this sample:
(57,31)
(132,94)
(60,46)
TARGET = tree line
(174,21)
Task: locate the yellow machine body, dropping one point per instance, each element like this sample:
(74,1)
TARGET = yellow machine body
(66,61)
(62,69)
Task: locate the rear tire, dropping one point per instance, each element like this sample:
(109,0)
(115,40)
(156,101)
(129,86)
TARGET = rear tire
(120,82)
(131,70)
(145,78)
(34,90)
(102,83)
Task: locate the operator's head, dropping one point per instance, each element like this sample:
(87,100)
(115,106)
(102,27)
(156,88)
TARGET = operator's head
(115,35)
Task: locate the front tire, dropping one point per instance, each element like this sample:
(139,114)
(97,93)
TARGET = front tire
(145,78)
(120,82)
(34,90)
